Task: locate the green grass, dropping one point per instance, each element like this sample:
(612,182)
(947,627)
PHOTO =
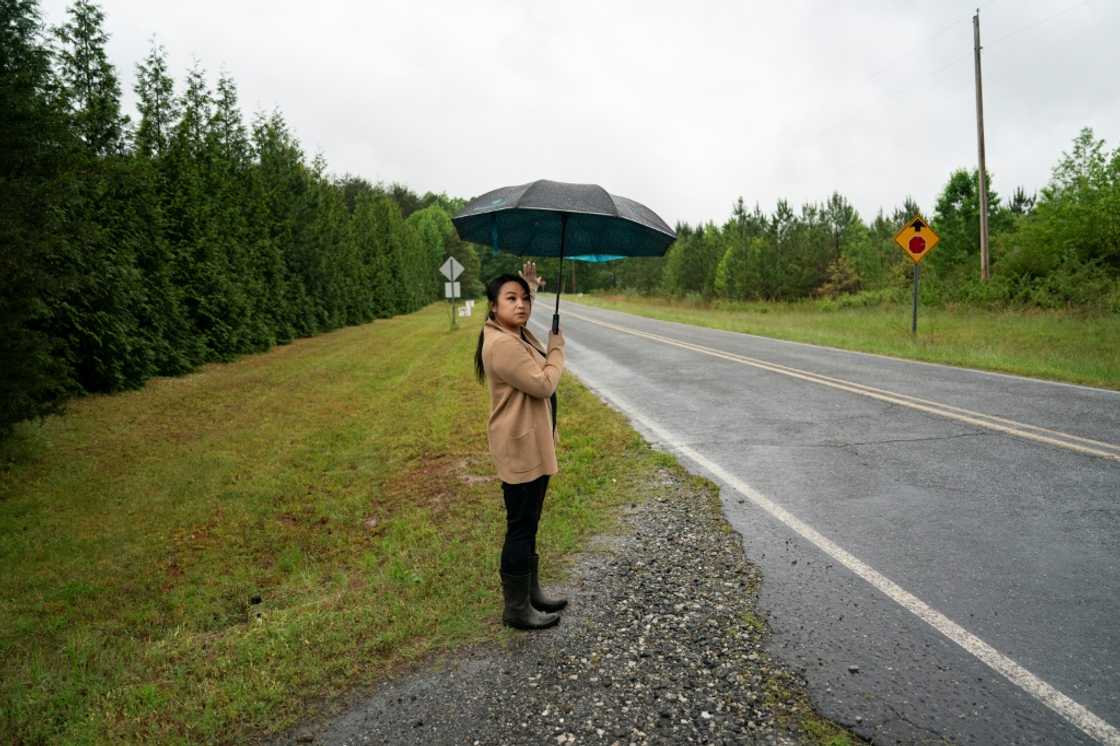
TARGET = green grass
(345,479)
(1068,346)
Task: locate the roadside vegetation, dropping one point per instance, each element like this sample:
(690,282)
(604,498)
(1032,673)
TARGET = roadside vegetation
(1070,345)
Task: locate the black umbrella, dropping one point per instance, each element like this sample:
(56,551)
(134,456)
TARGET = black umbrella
(551,218)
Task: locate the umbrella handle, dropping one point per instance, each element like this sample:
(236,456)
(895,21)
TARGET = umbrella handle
(555,323)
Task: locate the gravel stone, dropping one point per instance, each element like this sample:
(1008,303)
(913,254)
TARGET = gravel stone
(654,647)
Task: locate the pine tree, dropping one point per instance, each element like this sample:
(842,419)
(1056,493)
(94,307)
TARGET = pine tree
(89,82)
(369,236)
(34,179)
(226,178)
(176,346)
(1021,204)
(162,316)
(842,221)
(956,219)
(98,315)
(283,182)
(159,109)
(199,264)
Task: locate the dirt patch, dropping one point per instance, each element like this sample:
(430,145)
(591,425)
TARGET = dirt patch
(288,519)
(436,481)
(173,572)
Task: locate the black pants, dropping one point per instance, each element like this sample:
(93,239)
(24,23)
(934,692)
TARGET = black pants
(523,512)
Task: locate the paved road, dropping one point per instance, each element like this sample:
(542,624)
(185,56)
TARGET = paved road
(939,567)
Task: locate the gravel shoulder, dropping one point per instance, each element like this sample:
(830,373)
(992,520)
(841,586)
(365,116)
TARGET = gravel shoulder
(661,643)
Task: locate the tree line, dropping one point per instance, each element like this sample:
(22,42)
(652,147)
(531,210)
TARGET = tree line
(1058,248)
(146,247)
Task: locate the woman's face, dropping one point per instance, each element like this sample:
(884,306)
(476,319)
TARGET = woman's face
(513,307)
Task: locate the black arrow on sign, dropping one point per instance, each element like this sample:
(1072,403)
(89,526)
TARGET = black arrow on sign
(917,225)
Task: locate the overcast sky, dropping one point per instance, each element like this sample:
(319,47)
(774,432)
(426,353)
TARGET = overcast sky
(683,106)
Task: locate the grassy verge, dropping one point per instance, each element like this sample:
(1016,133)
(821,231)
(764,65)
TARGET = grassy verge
(1058,345)
(344,480)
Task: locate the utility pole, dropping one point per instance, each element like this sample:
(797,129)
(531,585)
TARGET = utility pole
(985,273)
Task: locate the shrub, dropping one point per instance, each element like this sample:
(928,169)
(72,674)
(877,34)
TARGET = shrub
(842,278)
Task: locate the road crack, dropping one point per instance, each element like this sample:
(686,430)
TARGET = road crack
(925,729)
(897,440)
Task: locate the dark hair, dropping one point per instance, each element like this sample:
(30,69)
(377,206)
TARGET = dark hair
(492,289)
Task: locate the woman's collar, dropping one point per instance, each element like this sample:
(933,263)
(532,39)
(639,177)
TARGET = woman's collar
(529,336)
(495,325)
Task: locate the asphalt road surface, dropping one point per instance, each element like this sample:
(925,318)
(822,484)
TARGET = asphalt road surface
(940,546)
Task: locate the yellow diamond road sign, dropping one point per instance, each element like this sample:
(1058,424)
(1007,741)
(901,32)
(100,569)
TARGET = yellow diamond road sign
(916,238)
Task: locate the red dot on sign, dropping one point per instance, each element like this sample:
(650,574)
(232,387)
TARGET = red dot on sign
(917,245)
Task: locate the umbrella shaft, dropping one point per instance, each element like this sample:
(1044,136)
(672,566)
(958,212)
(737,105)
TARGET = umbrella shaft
(560,279)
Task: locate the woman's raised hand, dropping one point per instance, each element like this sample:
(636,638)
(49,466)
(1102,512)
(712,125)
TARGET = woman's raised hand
(529,274)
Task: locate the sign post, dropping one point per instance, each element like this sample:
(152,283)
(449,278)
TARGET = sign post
(916,239)
(451,269)
(917,280)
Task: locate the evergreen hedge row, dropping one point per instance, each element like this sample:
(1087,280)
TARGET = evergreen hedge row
(132,252)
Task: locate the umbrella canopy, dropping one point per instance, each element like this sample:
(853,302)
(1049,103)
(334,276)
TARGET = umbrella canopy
(596,258)
(553,218)
(531,219)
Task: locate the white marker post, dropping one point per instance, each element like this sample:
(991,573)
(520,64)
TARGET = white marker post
(451,292)
(451,269)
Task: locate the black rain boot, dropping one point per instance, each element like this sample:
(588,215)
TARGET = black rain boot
(519,612)
(536,597)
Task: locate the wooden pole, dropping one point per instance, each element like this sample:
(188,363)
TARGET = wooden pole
(985,272)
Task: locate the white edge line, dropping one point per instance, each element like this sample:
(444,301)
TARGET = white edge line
(860,352)
(1073,712)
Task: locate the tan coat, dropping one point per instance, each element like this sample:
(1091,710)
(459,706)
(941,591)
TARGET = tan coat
(522,441)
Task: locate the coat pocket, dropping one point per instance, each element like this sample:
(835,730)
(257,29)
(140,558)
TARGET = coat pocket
(522,452)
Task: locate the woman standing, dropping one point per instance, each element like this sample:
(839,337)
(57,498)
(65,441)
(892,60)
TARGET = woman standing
(523,378)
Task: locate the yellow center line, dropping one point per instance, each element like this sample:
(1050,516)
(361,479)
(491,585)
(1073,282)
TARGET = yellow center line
(1038,434)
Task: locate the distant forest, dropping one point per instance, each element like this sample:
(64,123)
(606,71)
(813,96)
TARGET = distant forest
(147,245)
(1059,248)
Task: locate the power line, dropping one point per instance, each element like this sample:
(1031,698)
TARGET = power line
(1040,21)
(932,36)
(961,60)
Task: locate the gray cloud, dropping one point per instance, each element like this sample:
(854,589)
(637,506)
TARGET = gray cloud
(681,106)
